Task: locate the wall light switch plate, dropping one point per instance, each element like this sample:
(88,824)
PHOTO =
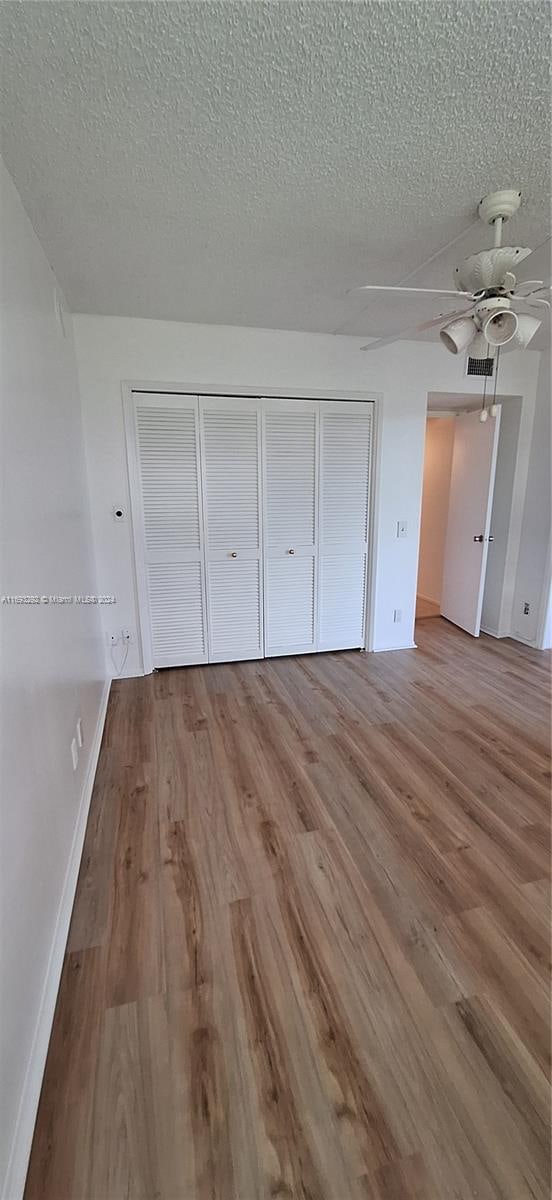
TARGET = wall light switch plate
(80,734)
(74,754)
(402,527)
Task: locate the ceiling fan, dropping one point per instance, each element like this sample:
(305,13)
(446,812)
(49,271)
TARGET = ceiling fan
(486,283)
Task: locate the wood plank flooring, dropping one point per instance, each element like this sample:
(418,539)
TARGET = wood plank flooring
(309,955)
(426,608)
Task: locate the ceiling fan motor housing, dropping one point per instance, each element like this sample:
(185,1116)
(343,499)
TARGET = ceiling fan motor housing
(489,268)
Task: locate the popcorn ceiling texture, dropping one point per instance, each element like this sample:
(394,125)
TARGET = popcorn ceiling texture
(247,163)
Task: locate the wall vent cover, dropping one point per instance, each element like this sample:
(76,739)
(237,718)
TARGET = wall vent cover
(480,366)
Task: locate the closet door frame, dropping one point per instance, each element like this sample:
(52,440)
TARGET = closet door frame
(198,389)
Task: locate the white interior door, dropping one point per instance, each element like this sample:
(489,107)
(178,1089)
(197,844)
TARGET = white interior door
(231,454)
(169,529)
(345,457)
(290,508)
(469,516)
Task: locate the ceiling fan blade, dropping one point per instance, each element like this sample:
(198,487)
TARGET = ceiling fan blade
(536,284)
(390,287)
(395,337)
(533,301)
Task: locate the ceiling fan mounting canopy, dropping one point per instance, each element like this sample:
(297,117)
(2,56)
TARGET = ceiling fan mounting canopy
(499,205)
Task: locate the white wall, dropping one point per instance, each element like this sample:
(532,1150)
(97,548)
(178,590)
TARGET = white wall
(439,442)
(532,567)
(52,669)
(113,349)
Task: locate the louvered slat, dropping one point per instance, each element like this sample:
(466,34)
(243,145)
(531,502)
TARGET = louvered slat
(346,445)
(290,603)
(290,458)
(235,610)
(290,449)
(231,483)
(177,626)
(342,601)
(169,471)
(168,456)
(231,478)
(346,437)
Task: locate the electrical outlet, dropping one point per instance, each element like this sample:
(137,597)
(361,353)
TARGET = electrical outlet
(397,615)
(74,754)
(126,637)
(80,734)
(526,607)
(402,529)
(112,639)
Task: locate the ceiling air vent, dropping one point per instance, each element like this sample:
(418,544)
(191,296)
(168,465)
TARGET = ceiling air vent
(480,366)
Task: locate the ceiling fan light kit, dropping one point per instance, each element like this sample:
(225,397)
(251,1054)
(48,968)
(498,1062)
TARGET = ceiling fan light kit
(487,282)
(480,348)
(458,334)
(497,321)
(527,327)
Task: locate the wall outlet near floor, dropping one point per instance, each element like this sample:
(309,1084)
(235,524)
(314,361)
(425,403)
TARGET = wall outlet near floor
(526,607)
(397,615)
(80,734)
(74,754)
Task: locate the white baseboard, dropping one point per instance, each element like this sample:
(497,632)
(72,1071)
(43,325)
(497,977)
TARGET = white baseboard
(518,637)
(386,649)
(14,1182)
(495,632)
(428,599)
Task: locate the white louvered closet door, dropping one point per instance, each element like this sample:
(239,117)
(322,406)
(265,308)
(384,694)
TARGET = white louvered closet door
(345,455)
(231,455)
(290,507)
(170,528)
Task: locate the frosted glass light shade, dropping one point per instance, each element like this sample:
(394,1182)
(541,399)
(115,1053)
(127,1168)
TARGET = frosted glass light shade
(457,335)
(501,327)
(480,347)
(526,330)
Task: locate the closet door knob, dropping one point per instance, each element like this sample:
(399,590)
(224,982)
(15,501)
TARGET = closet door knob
(291,551)
(234,554)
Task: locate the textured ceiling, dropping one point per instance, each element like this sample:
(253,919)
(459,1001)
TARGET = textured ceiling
(247,163)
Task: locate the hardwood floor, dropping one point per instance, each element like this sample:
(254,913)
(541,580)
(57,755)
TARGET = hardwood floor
(309,955)
(426,608)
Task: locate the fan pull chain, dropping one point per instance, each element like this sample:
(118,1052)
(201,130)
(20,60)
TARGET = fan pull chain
(483,416)
(494,405)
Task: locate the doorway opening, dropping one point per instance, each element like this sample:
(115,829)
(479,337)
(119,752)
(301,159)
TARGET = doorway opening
(468,522)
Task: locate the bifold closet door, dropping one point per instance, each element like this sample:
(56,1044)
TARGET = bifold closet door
(345,455)
(290,507)
(231,455)
(170,528)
